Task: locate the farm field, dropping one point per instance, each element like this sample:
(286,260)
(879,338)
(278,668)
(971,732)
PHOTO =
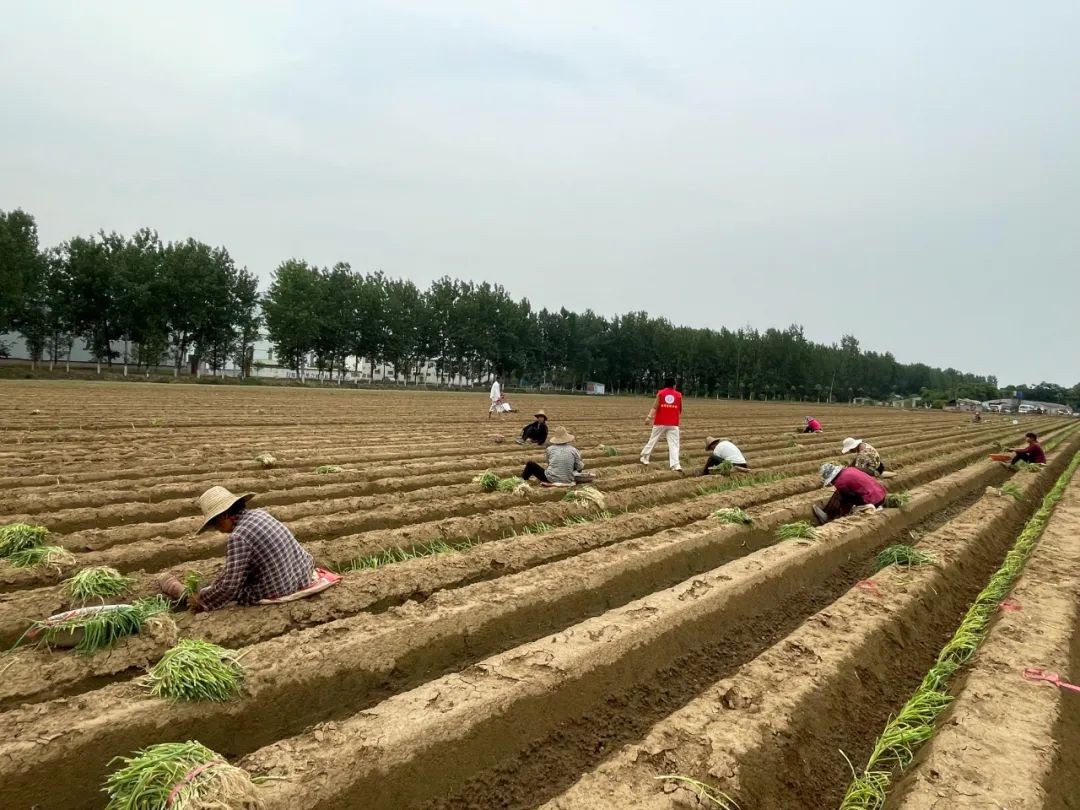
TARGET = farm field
(533,651)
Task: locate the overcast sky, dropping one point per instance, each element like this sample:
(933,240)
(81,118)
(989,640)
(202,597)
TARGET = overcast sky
(907,172)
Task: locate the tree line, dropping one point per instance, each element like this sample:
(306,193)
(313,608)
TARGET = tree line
(174,302)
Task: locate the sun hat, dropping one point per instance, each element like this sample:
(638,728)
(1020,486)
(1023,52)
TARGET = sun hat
(710,441)
(217,501)
(829,473)
(850,444)
(560,436)
(540,413)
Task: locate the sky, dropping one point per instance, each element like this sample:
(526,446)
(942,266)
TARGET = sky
(906,172)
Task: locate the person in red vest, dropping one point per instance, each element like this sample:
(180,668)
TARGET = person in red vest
(664,418)
(812,425)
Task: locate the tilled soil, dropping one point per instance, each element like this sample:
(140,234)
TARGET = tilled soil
(114,469)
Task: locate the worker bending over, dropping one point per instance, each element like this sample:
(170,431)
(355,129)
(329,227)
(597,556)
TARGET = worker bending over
(721,450)
(866,458)
(812,425)
(855,490)
(263,561)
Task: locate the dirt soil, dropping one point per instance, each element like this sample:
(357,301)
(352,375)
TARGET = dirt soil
(114,470)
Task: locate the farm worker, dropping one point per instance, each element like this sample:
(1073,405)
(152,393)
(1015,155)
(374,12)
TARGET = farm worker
(495,395)
(812,425)
(854,490)
(564,461)
(262,558)
(1032,454)
(866,457)
(664,418)
(977,417)
(721,450)
(536,431)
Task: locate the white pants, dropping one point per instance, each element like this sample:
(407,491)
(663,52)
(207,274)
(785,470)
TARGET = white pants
(670,434)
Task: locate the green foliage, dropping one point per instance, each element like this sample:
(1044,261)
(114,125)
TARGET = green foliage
(1012,490)
(400,554)
(898,743)
(508,484)
(903,555)
(328,469)
(488,481)
(196,670)
(99,582)
(192,583)
(21,265)
(733,515)
(896,500)
(726,484)
(160,776)
(609,451)
(44,556)
(186,297)
(20,536)
(101,629)
(799,530)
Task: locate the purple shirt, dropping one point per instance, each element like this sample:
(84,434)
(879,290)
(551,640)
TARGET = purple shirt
(1033,453)
(853,482)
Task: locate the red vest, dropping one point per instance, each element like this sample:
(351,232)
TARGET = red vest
(669,408)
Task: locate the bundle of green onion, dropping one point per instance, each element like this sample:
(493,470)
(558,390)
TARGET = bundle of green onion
(733,514)
(179,776)
(95,628)
(903,555)
(99,582)
(196,670)
(488,481)
(800,530)
(54,556)
(17,537)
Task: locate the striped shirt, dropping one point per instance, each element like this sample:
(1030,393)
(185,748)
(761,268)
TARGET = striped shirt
(262,561)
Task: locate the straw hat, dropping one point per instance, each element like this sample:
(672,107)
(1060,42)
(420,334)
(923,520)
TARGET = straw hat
(540,413)
(850,444)
(560,436)
(710,441)
(217,501)
(829,473)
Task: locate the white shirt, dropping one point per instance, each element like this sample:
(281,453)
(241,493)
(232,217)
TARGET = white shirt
(496,392)
(726,451)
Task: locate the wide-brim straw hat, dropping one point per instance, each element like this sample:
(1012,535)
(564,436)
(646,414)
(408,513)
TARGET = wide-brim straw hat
(829,473)
(540,413)
(710,441)
(850,444)
(560,436)
(217,501)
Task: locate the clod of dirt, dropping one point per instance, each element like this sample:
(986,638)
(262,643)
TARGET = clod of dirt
(736,698)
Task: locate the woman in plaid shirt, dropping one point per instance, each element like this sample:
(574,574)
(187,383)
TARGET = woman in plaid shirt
(262,558)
